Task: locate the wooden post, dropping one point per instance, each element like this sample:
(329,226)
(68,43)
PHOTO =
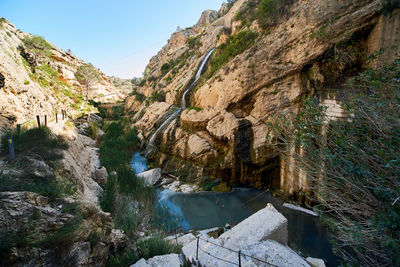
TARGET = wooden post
(56,117)
(45,120)
(240,263)
(62,111)
(11,148)
(18,128)
(197,249)
(38,120)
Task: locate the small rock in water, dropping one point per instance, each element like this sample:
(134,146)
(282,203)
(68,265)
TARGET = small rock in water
(314,262)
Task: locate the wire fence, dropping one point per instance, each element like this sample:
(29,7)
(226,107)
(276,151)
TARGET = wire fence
(240,254)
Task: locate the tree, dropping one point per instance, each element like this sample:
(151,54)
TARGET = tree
(87,75)
(352,166)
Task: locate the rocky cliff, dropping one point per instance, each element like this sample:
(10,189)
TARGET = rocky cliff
(49,207)
(38,78)
(270,59)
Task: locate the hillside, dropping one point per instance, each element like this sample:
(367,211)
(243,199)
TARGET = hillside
(38,78)
(265,62)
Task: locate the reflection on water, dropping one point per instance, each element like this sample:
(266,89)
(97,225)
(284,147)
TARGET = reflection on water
(138,163)
(204,210)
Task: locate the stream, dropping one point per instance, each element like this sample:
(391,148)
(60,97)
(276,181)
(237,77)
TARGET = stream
(203,210)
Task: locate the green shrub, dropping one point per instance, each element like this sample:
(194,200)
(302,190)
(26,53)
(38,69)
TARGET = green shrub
(235,45)
(26,82)
(36,140)
(270,11)
(389,6)
(194,108)
(157,96)
(117,146)
(165,68)
(37,45)
(108,196)
(353,168)
(139,97)
(194,42)
(2,21)
(154,246)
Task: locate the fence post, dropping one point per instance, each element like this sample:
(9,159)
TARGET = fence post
(18,128)
(240,263)
(38,120)
(45,120)
(11,148)
(197,250)
(56,117)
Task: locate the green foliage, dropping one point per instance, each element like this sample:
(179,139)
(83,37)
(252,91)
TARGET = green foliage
(65,236)
(389,6)
(37,45)
(117,146)
(194,42)
(154,246)
(235,45)
(26,82)
(2,21)
(353,165)
(165,68)
(37,140)
(94,238)
(93,130)
(165,220)
(194,108)
(87,75)
(270,11)
(49,71)
(157,96)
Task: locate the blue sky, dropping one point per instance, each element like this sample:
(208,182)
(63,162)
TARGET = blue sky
(117,36)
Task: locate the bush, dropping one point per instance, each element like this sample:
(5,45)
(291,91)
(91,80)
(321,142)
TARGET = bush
(194,42)
(165,68)
(157,96)
(154,246)
(139,97)
(270,11)
(235,45)
(353,169)
(37,45)
(117,146)
(36,140)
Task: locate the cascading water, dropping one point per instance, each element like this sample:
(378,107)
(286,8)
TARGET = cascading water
(175,114)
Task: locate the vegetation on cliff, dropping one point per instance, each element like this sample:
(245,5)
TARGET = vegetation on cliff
(130,200)
(234,46)
(352,166)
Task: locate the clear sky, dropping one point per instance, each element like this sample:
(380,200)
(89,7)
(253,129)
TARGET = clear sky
(117,36)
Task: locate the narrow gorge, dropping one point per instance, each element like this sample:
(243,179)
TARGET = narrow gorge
(267,134)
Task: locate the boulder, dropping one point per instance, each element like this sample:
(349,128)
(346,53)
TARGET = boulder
(181,240)
(262,236)
(151,176)
(314,262)
(223,126)
(101,175)
(169,260)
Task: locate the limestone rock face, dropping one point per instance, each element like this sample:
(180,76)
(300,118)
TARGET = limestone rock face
(229,126)
(34,84)
(169,260)
(132,104)
(152,115)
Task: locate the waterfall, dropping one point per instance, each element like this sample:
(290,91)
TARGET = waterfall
(197,77)
(176,113)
